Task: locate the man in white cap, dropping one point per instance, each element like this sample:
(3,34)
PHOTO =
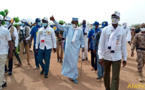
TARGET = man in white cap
(5,45)
(24,37)
(112,47)
(74,39)
(14,37)
(128,33)
(47,40)
(86,30)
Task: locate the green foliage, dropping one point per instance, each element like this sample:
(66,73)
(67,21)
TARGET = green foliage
(136,25)
(2,13)
(16,19)
(6,11)
(15,25)
(3,22)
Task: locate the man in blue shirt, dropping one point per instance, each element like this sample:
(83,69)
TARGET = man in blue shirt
(33,33)
(91,35)
(95,47)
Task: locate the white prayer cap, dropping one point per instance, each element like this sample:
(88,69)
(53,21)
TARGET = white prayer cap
(1,17)
(117,13)
(7,18)
(23,20)
(124,24)
(45,19)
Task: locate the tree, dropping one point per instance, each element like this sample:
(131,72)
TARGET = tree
(136,25)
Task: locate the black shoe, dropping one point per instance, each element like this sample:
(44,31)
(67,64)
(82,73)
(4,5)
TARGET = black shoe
(86,59)
(60,61)
(45,76)
(57,60)
(10,74)
(4,85)
(42,72)
(99,78)
(83,59)
(6,71)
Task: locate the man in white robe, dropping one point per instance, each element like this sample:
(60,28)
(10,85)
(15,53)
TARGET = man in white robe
(128,33)
(74,39)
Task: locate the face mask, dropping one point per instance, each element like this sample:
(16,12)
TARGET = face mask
(94,27)
(73,25)
(22,24)
(7,22)
(115,21)
(142,29)
(39,24)
(44,24)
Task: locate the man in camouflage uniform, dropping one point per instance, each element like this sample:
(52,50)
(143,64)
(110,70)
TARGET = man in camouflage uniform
(59,50)
(24,37)
(14,37)
(132,34)
(139,44)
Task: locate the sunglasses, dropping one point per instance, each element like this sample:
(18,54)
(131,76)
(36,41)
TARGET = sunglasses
(114,16)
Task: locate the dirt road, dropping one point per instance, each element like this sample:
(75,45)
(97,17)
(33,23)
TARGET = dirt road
(25,78)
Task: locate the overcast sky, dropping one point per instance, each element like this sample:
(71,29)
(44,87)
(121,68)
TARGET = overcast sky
(132,11)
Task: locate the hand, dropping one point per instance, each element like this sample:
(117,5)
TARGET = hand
(124,63)
(52,18)
(10,56)
(101,61)
(94,51)
(83,49)
(36,50)
(54,49)
(132,54)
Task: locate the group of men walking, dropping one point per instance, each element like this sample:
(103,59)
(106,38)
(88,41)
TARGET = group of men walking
(107,46)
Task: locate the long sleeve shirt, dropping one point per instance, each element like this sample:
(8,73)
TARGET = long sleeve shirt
(138,42)
(16,37)
(121,45)
(128,34)
(48,35)
(15,33)
(67,28)
(96,41)
(24,28)
(5,36)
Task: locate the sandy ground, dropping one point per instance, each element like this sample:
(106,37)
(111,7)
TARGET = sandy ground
(25,78)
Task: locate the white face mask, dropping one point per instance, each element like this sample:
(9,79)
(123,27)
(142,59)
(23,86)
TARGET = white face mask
(115,21)
(73,25)
(142,29)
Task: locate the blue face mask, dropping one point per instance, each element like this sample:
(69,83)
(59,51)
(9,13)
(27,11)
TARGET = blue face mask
(44,24)
(22,24)
(7,22)
(94,27)
(39,23)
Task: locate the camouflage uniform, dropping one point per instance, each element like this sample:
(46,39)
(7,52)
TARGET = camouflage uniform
(59,49)
(139,44)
